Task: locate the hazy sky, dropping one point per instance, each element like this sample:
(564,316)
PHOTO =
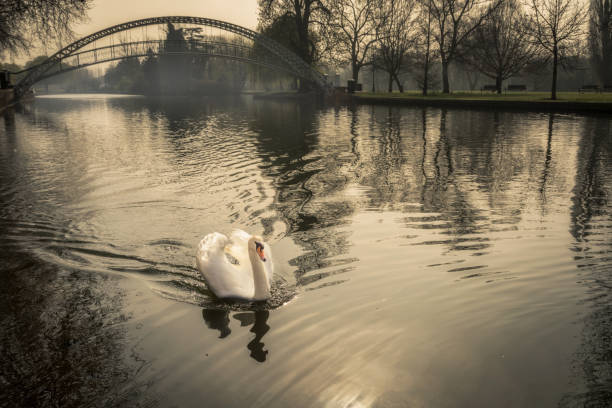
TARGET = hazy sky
(106,13)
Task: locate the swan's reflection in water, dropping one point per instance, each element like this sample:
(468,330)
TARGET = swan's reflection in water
(217,320)
(258,320)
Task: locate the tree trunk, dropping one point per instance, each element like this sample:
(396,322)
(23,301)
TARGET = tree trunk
(355,72)
(544,178)
(399,84)
(604,35)
(498,84)
(426,66)
(390,87)
(303,39)
(373,78)
(553,94)
(426,74)
(446,85)
(607,58)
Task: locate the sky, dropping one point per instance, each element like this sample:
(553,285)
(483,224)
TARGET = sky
(105,13)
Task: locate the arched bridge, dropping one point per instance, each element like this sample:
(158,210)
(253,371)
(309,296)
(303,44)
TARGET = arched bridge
(78,55)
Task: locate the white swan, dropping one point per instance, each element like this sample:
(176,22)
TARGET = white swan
(245,274)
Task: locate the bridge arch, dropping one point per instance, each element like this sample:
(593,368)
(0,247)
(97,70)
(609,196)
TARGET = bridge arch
(294,64)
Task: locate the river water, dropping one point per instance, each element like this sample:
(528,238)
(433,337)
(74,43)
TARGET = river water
(424,257)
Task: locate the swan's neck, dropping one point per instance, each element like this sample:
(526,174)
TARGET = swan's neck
(260,278)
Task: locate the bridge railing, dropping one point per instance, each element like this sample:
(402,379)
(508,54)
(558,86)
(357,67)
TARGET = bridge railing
(140,49)
(296,65)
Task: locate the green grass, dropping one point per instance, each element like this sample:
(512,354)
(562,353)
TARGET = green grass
(489,96)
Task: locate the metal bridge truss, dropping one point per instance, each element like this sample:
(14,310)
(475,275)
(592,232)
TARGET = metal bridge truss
(136,49)
(295,64)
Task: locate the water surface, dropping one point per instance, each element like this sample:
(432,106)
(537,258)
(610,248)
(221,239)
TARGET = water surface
(424,257)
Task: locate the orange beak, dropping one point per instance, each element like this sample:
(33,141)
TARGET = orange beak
(260,252)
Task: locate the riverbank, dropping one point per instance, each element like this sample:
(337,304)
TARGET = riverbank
(540,101)
(294,95)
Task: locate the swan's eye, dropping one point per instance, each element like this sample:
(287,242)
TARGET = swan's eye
(260,251)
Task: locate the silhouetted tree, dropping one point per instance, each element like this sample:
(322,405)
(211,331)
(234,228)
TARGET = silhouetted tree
(126,76)
(24,21)
(150,70)
(282,30)
(455,20)
(306,13)
(353,24)
(395,38)
(174,64)
(423,47)
(499,48)
(556,27)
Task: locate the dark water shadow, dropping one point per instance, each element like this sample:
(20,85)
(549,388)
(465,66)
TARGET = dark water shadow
(63,340)
(258,320)
(592,202)
(219,320)
(305,173)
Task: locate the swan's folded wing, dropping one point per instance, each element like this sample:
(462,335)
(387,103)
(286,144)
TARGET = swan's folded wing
(227,280)
(213,242)
(223,278)
(240,236)
(238,247)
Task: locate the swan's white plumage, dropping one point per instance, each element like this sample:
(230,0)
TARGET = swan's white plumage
(225,279)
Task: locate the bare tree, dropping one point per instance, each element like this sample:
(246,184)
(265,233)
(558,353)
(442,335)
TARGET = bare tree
(395,38)
(500,48)
(354,24)
(556,27)
(22,22)
(424,52)
(307,14)
(455,20)
(600,39)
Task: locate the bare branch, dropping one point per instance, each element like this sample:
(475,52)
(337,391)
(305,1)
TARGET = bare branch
(23,22)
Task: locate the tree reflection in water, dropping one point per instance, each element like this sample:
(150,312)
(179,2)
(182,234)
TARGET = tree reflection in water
(62,341)
(592,204)
(308,176)
(216,319)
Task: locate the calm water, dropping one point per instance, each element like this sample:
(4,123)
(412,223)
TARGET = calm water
(425,257)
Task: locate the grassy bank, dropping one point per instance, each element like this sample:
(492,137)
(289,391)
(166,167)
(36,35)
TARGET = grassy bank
(534,101)
(490,96)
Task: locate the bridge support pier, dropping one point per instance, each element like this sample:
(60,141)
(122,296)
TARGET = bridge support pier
(7,93)
(7,98)
(5,79)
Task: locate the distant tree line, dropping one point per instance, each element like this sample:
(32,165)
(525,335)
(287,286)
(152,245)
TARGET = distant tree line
(425,40)
(499,39)
(178,69)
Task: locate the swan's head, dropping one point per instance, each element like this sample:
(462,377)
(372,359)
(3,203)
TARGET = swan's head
(256,244)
